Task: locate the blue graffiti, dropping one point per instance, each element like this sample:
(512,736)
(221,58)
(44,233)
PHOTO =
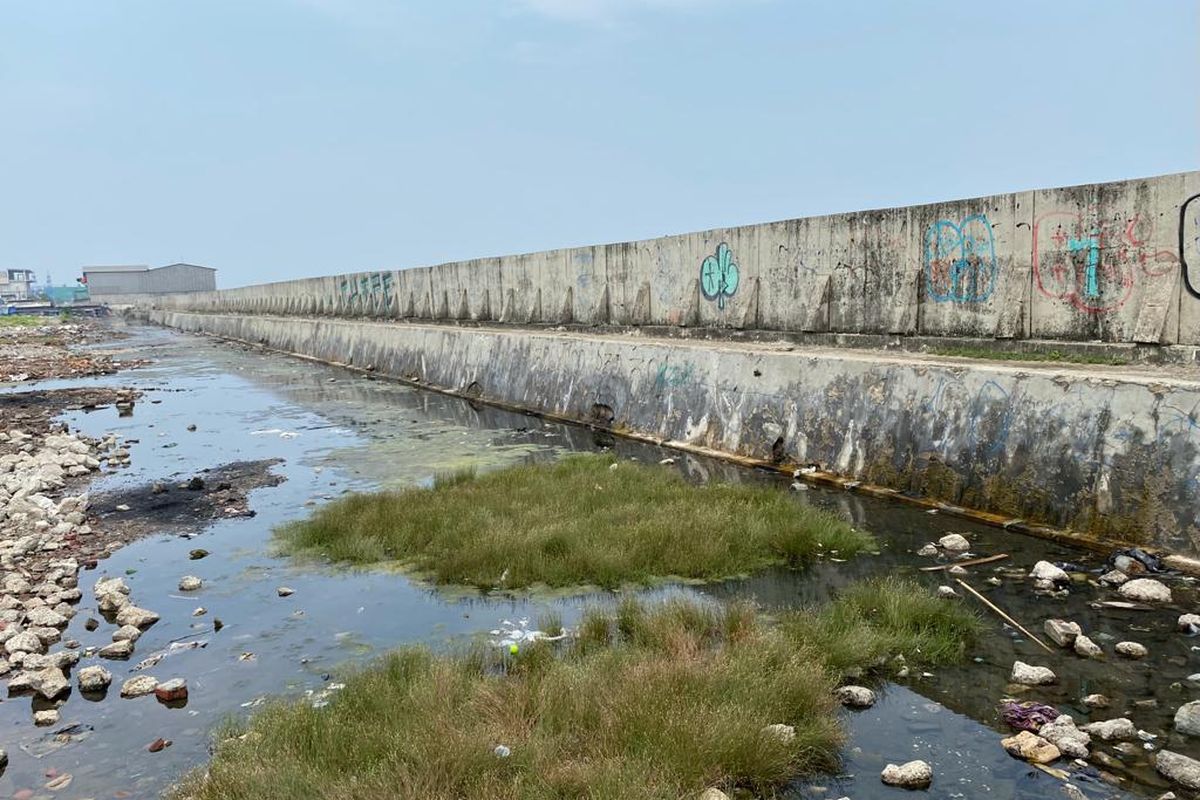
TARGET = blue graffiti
(960,260)
(1090,243)
(669,375)
(719,275)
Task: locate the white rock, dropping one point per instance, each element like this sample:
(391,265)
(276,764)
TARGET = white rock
(1189,623)
(138,686)
(1145,590)
(129,633)
(132,615)
(1180,769)
(1087,648)
(94,679)
(49,682)
(1062,632)
(1045,571)
(912,775)
(46,716)
(856,696)
(24,642)
(713,794)
(284,591)
(1063,734)
(1028,675)
(1109,729)
(1096,701)
(121,649)
(928,550)
(190,583)
(45,618)
(1187,718)
(954,543)
(1132,650)
(946,592)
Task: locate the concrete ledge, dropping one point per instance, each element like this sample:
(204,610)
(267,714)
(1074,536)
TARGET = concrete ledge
(1111,454)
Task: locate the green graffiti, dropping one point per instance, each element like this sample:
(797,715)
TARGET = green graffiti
(719,275)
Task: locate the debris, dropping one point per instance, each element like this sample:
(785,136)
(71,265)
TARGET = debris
(502,751)
(1004,616)
(60,782)
(946,592)
(200,611)
(972,562)
(1135,561)
(171,691)
(285,591)
(1028,715)
(159,744)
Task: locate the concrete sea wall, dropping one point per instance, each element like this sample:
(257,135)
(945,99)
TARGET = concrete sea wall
(1103,262)
(1113,453)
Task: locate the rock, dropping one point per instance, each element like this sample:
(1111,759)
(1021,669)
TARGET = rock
(1110,729)
(1113,578)
(856,696)
(957,570)
(1062,632)
(171,691)
(49,682)
(190,583)
(45,618)
(24,642)
(784,733)
(1187,718)
(1062,733)
(94,679)
(1189,623)
(140,617)
(1030,747)
(1045,571)
(91,624)
(197,554)
(928,550)
(1180,769)
(191,427)
(158,745)
(1072,792)
(200,611)
(946,592)
(912,775)
(139,686)
(1087,648)
(1145,590)
(713,794)
(129,633)
(1132,650)
(121,649)
(1028,675)
(285,591)
(47,716)
(955,543)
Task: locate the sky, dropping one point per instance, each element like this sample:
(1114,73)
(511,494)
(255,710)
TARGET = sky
(276,139)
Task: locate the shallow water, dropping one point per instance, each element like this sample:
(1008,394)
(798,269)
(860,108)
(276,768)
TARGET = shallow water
(339,431)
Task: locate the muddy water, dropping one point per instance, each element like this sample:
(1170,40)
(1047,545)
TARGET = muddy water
(337,431)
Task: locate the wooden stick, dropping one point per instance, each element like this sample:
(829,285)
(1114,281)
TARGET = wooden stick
(969,563)
(1004,616)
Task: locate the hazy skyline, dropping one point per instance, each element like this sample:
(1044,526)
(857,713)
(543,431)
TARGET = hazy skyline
(289,138)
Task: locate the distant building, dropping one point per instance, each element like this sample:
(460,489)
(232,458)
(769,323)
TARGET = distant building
(15,284)
(114,284)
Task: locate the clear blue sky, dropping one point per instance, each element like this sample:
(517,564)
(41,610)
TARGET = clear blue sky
(274,139)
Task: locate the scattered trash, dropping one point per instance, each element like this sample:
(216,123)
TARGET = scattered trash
(502,751)
(514,634)
(1135,561)
(968,563)
(1027,715)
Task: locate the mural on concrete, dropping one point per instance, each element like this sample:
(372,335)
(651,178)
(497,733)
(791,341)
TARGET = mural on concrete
(373,288)
(719,275)
(960,260)
(1189,240)
(1093,264)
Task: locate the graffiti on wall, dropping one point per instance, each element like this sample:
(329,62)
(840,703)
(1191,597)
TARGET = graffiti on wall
(670,375)
(372,288)
(719,275)
(1189,239)
(1093,264)
(960,260)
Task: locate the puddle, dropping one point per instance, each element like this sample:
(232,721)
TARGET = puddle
(336,431)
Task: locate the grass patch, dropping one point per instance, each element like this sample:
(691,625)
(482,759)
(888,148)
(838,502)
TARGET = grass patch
(578,521)
(644,702)
(1032,355)
(24,321)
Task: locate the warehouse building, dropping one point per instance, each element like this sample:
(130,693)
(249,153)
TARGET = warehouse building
(115,284)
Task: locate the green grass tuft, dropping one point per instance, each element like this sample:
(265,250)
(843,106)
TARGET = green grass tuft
(647,702)
(24,321)
(578,521)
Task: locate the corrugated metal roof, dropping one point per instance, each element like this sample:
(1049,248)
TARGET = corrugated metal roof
(185,264)
(129,268)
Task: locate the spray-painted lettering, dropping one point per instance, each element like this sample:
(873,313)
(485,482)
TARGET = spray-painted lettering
(960,260)
(719,275)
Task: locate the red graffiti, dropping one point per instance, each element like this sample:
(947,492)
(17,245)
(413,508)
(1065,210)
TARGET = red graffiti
(1093,264)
